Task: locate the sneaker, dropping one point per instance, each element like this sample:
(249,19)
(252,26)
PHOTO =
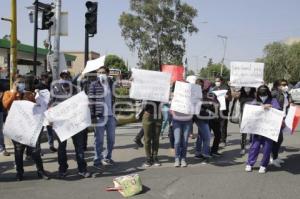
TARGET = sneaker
(280,160)
(216,154)
(262,169)
(177,163)
(84,174)
(62,175)
(43,175)
(223,144)
(156,162)
(52,149)
(207,156)
(276,163)
(5,153)
(147,163)
(199,157)
(183,163)
(107,162)
(138,143)
(248,168)
(19,177)
(243,152)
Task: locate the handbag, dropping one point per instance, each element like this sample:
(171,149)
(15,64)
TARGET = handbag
(235,112)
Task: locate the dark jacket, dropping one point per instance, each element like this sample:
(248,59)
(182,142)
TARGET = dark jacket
(277,94)
(97,98)
(61,91)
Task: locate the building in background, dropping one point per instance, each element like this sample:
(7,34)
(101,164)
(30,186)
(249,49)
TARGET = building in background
(25,59)
(78,65)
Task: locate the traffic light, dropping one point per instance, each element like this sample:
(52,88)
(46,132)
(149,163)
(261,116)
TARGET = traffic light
(91,17)
(46,20)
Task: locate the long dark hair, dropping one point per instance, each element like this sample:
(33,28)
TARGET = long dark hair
(265,91)
(251,93)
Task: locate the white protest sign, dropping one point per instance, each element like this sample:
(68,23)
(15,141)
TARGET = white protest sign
(70,117)
(295,94)
(42,99)
(221,94)
(22,124)
(289,120)
(187,98)
(246,74)
(150,85)
(94,64)
(257,120)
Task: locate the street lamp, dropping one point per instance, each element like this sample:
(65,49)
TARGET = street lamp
(224,40)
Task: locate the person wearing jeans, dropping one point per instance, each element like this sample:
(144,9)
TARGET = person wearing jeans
(101,99)
(203,139)
(182,125)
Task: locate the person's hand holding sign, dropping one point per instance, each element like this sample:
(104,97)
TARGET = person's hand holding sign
(267,106)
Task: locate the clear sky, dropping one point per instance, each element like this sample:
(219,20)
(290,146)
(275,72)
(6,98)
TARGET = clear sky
(248,24)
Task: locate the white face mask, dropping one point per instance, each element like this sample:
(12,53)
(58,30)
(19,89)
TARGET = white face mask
(247,89)
(21,87)
(218,84)
(263,98)
(102,77)
(285,89)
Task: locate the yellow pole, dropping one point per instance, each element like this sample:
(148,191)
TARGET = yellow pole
(13,41)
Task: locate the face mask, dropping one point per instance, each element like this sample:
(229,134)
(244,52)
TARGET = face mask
(285,89)
(102,77)
(218,84)
(247,89)
(263,98)
(21,87)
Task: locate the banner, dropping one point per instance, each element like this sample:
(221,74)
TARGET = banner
(70,117)
(23,124)
(246,74)
(150,85)
(257,120)
(187,98)
(175,71)
(221,94)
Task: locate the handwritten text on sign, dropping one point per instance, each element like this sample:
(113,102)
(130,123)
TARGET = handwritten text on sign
(257,120)
(246,74)
(150,85)
(70,117)
(187,98)
(23,124)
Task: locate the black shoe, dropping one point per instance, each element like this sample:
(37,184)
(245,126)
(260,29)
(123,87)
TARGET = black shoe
(156,162)
(62,175)
(53,149)
(19,177)
(216,154)
(85,174)
(139,143)
(199,157)
(148,163)
(43,175)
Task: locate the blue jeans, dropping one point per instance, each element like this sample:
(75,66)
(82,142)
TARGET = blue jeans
(165,115)
(50,136)
(108,124)
(181,134)
(203,139)
(2,145)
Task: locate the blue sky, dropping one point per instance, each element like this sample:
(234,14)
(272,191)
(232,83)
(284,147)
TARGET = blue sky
(248,24)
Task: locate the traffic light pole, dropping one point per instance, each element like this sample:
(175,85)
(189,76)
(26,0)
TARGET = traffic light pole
(35,37)
(56,47)
(13,40)
(86,48)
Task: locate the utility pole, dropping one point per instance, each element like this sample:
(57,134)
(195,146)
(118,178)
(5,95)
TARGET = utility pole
(13,41)
(224,39)
(35,35)
(56,47)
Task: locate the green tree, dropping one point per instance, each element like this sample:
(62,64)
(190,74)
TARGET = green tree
(213,70)
(115,62)
(157,30)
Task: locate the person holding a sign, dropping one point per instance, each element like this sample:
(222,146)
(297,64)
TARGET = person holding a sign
(101,105)
(264,98)
(18,93)
(61,91)
(280,92)
(220,86)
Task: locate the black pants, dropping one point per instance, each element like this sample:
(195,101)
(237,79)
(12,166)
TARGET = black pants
(78,141)
(214,125)
(223,126)
(276,146)
(171,136)
(85,138)
(140,135)
(35,154)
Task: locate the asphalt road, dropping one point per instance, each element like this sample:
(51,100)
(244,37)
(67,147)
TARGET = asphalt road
(223,177)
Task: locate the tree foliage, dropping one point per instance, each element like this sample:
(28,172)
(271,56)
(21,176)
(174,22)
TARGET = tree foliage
(115,62)
(156,30)
(282,61)
(213,70)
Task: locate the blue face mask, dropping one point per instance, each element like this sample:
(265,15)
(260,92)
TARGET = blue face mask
(21,87)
